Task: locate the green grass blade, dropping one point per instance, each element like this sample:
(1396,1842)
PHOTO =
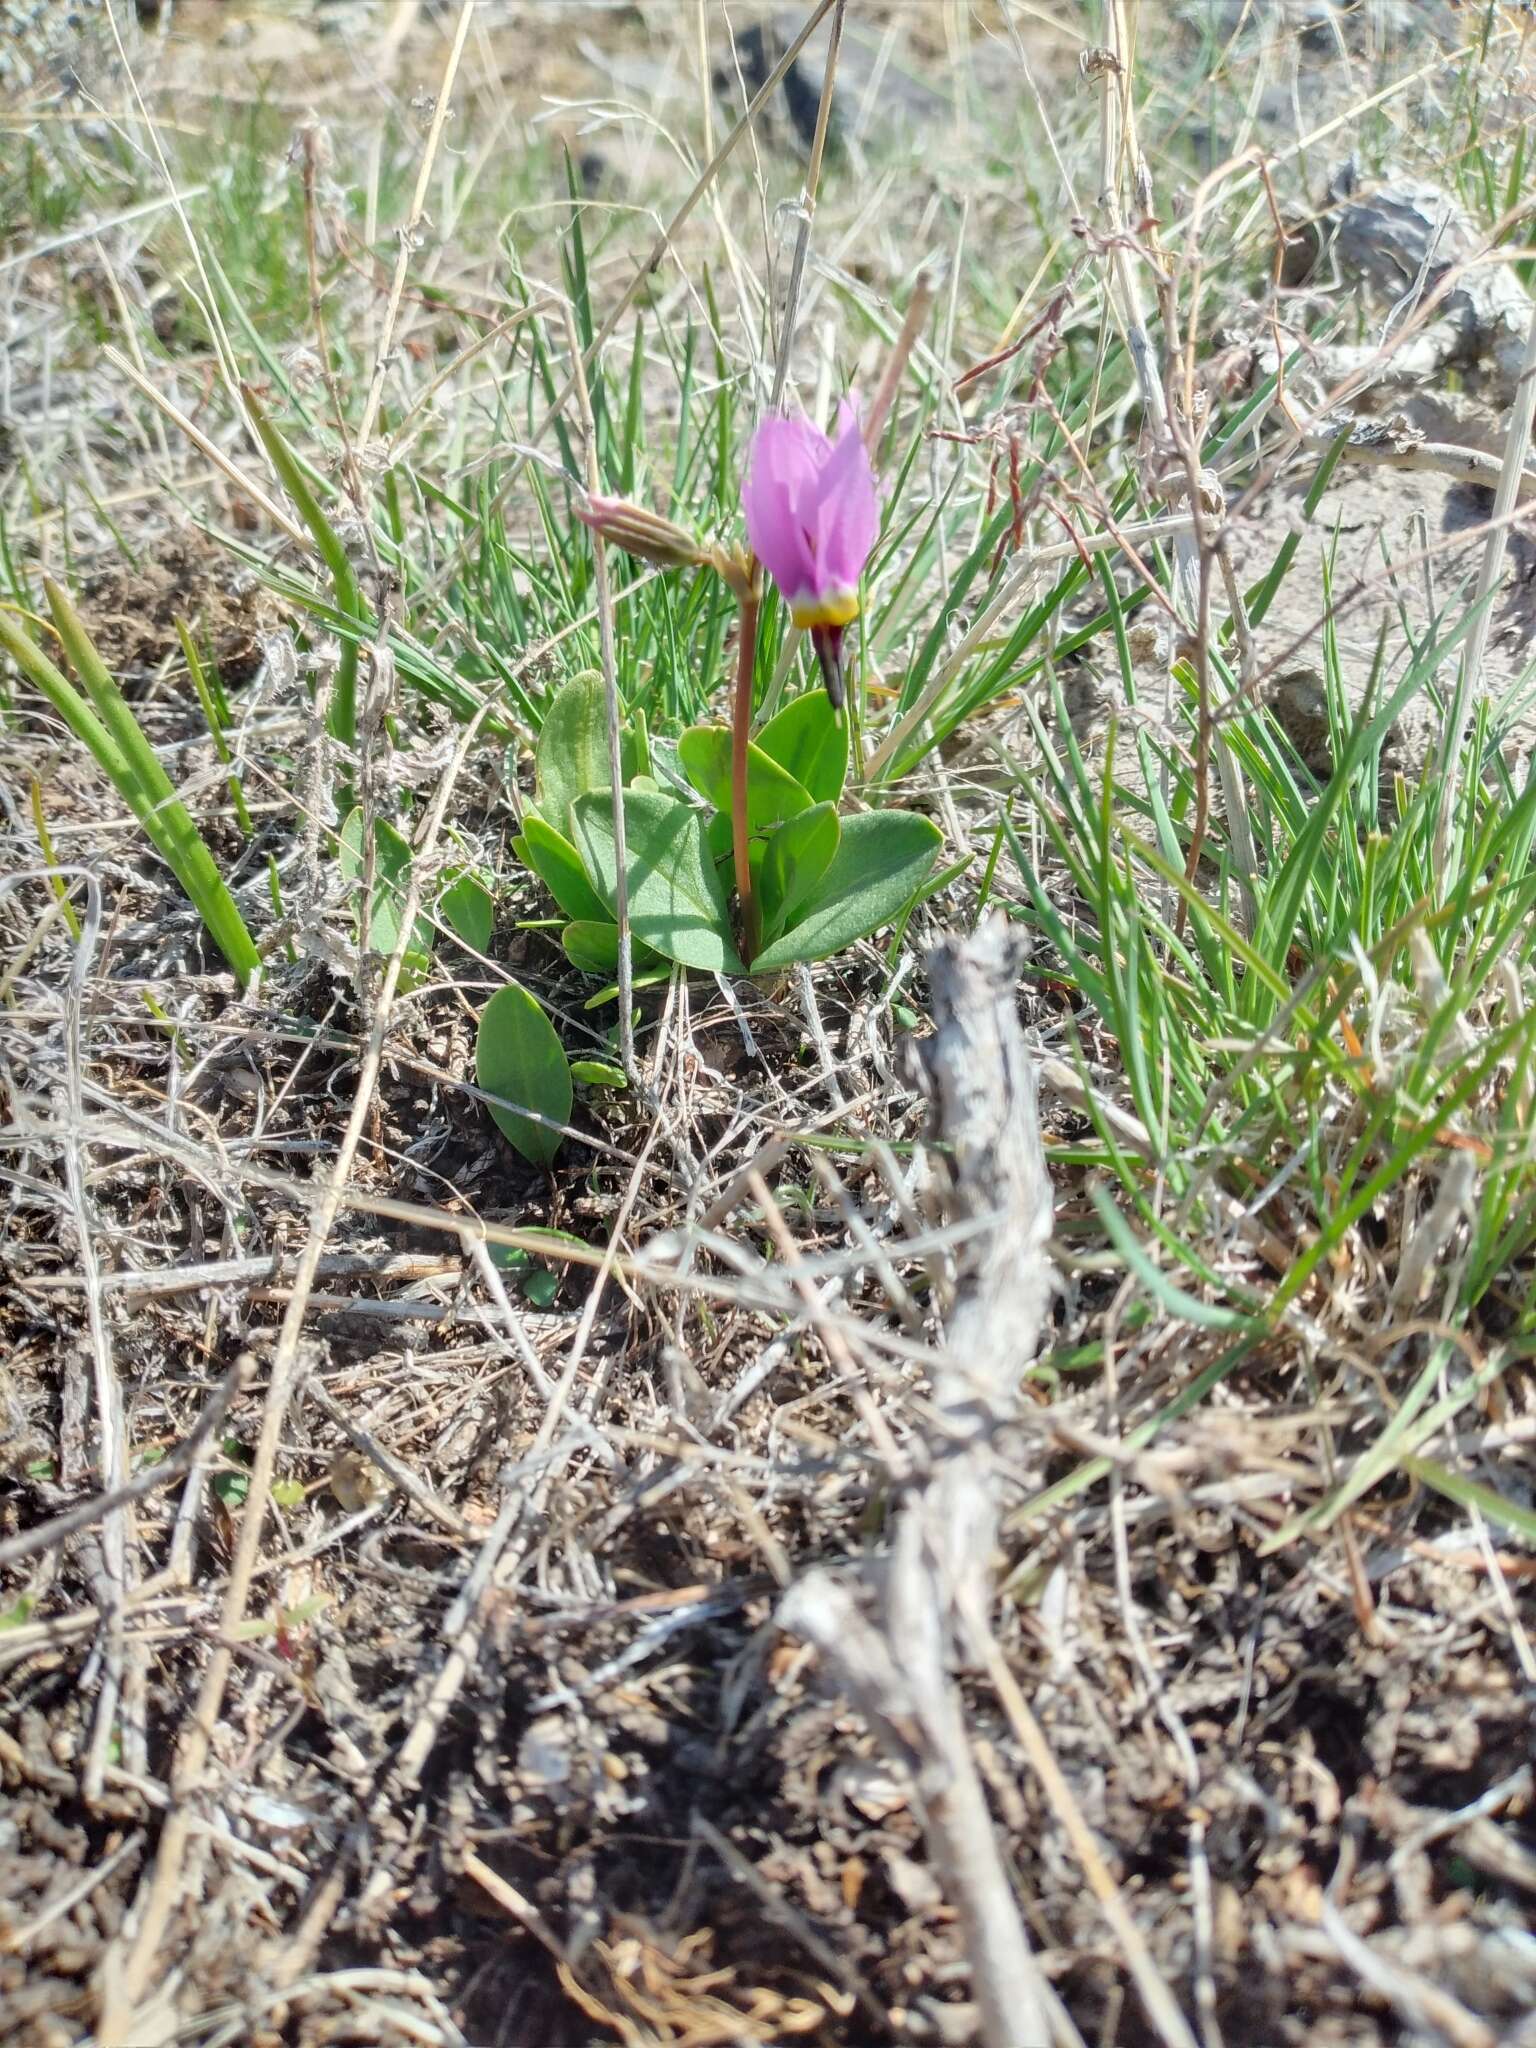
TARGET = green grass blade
(118,744)
(349,596)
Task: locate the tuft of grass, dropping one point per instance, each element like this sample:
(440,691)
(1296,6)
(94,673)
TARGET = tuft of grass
(103,722)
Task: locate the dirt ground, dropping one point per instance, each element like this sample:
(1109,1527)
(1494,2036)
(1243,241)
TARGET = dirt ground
(513,1750)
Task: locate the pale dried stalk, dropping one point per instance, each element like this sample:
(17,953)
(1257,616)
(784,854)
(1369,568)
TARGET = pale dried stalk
(1443,458)
(919,305)
(410,230)
(1156,1996)
(808,207)
(980,1083)
(1193,550)
(605,640)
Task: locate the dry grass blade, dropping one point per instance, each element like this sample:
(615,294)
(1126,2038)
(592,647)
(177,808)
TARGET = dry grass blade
(408,232)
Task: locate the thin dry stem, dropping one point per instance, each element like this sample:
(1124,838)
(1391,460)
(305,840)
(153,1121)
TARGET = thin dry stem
(408,233)
(808,206)
(613,707)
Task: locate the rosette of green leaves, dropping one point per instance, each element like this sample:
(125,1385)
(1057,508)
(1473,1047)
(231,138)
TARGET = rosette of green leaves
(822,880)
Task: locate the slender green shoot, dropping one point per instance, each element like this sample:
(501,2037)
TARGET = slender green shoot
(55,880)
(211,712)
(104,723)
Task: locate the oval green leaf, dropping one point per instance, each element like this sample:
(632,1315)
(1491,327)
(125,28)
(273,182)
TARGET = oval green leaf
(558,866)
(592,945)
(572,752)
(519,1059)
(880,863)
(809,740)
(704,753)
(652,977)
(677,902)
(796,858)
(598,1074)
(465,906)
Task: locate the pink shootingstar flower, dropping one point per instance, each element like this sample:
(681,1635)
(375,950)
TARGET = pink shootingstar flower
(812,519)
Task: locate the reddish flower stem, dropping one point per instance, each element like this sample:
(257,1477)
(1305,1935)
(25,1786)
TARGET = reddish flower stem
(741,728)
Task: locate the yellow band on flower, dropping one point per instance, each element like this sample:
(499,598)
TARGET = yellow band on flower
(830,608)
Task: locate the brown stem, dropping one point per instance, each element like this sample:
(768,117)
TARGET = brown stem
(923,287)
(741,727)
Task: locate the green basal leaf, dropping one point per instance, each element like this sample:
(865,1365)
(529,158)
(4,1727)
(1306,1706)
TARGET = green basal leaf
(598,1074)
(652,978)
(881,861)
(467,909)
(794,861)
(572,753)
(232,1488)
(592,944)
(677,902)
(541,1286)
(704,752)
(391,880)
(558,866)
(519,1058)
(809,740)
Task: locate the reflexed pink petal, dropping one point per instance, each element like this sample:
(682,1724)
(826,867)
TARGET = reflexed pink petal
(780,497)
(812,510)
(847,521)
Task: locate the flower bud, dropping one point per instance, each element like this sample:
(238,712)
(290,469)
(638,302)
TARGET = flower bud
(641,532)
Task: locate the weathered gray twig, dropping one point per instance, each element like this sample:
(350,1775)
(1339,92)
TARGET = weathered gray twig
(978,1077)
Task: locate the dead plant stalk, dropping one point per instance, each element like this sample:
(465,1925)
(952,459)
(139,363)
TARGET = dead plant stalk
(980,1084)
